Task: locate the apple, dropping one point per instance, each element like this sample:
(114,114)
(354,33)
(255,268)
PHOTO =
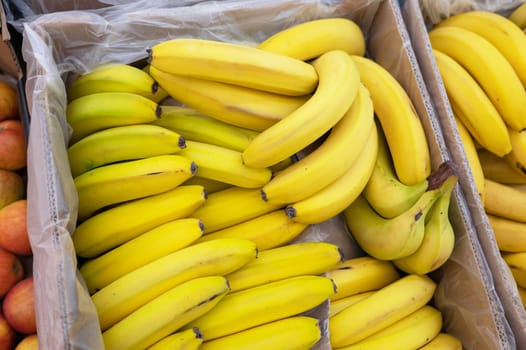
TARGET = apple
(8,101)
(7,334)
(19,306)
(13,153)
(11,271)
(29,342)
(12,187)
(13,228)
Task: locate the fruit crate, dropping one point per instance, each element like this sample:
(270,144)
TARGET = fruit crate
(58,46)
(418,20)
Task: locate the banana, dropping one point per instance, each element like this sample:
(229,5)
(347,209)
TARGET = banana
(509,234)
(499,31)
(400,123)
(119,224)
(443,341)
(302,258)
(291,333)
(104,110)
(262,304)
(269,230)
(380,310)
(328,161)
(519,276)
(116,77)
(122,143)
(517,157)
(518,16)
(195,126)
(515,260)
(311,39)
(134,289)
(147,247)
(499,170)
(489,68)
(522,295)
(128,180)
(166,314)
(338,305)
(472,106)
(234,64)
(505,201)
(337,88)
(224,165)
(411,332)
(232,206)
(236,105)
(361,274)
(384,192)
(439,237)
(190,339)
(338,195)
(210,186)
(472,156)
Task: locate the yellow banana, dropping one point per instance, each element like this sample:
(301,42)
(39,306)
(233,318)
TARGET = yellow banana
(443,341)
(234,64)
(328,161)
(262,304)
(499,170)
(116,77)
(338,195)
(337,88)
(311,39)
(104,110)
(515,260)
(210,186)
(269,230)
(232,206)
(133,179)
(380,310)
(225,165)
(122,143)
(385,193)
(119,224)
(522,295)
(505,201)
(472,106)
(509,234)
(517,157)
(411,332)
(302,258)
(472,156)
(502,33)
(518,16)
(129,292)
(489,68)
(147,247)
(166,314)
(195,126)
(439,237)
(519,276)
(401,125)
(236,105)
(190,339)
(291,333)
(338,305)
(361,274)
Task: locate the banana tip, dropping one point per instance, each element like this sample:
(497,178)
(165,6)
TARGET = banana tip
(197,332)
(264,195)
(149,58)
(291,213)
(182,142)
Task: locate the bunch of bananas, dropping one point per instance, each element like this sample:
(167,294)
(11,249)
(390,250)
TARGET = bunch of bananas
(481,58)
(195,175)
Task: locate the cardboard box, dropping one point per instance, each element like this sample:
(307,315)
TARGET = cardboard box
(60,45)
(418,22)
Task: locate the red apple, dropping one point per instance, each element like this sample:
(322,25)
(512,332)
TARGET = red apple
(11,271)
(12,187)
(8,101)
(13,152)
(7,334)
(19,306)
(13,228)
(29,342)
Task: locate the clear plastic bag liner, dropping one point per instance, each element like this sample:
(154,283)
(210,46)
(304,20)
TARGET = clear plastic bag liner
(59,46)
(504,284)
